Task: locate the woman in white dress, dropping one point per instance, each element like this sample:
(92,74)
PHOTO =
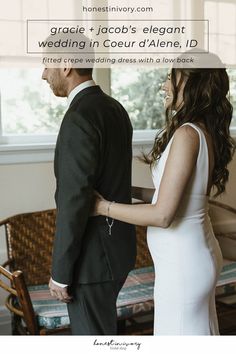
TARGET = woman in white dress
(189,157)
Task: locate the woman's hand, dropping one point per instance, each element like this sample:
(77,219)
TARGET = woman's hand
(100,205)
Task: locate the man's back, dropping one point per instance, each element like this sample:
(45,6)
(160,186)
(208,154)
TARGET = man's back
(95,143)
(93,152)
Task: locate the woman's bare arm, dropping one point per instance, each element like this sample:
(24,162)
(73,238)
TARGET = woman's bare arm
(178,171)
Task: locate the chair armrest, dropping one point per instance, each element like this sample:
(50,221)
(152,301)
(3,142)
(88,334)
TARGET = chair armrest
(222,206)
(142,193)
(7,263)
(12,308)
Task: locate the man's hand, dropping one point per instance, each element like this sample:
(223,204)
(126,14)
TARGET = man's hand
(59,292)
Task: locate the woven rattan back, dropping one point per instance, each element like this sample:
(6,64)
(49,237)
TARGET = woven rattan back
(143,256)
(29,240)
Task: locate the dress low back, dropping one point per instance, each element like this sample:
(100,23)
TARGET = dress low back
(186,256)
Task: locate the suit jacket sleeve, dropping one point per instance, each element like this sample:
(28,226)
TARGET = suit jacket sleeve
(77,156)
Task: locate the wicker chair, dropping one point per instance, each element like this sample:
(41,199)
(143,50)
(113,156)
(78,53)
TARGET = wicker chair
(29,239)
(143,258)
(226,295)
(23,309)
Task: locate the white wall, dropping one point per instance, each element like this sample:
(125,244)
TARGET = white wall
(30,187)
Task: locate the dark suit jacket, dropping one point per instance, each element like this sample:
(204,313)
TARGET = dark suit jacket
(93,151)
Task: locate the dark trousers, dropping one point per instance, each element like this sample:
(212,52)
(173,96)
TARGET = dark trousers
(93,309)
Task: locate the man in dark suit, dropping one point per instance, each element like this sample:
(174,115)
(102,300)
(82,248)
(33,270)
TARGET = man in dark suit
(92,256)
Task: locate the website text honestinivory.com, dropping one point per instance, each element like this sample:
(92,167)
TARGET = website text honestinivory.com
(125,9)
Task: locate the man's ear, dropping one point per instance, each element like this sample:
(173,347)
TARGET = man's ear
(67,70)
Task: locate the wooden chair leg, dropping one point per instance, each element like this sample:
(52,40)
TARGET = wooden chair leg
(121,326)
(15,320)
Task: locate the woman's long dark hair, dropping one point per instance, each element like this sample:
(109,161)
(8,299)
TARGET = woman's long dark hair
(204,101)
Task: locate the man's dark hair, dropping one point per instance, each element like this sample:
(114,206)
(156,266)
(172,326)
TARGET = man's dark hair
(84,71)
(71,53)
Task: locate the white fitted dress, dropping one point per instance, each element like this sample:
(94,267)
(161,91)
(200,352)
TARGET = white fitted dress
(186,256)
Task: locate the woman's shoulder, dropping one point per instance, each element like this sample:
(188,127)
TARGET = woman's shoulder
(187,131)
(186,137)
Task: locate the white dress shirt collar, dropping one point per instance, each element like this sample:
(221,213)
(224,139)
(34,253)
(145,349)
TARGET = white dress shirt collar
(79,88)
